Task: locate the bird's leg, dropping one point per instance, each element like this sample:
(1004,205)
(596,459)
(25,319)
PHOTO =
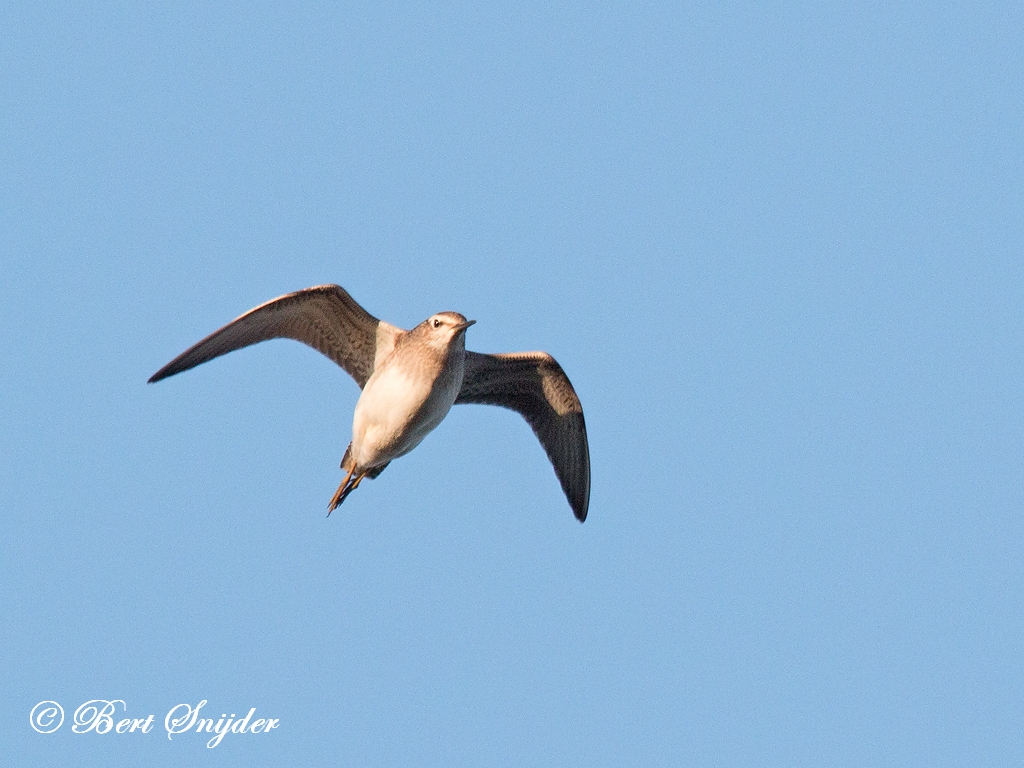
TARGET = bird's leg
(340,494)
(345,489)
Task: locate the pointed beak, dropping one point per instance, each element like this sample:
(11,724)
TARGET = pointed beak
(464,326)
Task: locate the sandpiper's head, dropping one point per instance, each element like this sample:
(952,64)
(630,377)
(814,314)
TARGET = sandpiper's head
(445,328)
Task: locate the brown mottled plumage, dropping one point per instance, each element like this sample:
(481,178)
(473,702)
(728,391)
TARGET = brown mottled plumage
(410,379)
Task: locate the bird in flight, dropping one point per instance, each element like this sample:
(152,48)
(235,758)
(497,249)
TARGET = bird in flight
(410,379)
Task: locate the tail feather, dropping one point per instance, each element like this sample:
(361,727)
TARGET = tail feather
(347,464)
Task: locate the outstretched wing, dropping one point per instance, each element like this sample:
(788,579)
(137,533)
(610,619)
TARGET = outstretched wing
(533,384)
(325,317)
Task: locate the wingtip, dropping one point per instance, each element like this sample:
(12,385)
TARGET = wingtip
(580,501)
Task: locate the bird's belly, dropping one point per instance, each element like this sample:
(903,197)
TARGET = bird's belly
(394,414)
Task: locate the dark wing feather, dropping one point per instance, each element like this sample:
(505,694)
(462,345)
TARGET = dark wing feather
(325,317)
(533,384)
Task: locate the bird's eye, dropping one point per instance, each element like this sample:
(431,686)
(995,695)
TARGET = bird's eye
(437,323)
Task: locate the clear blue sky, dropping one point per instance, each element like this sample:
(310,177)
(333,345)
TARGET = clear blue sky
(778,250)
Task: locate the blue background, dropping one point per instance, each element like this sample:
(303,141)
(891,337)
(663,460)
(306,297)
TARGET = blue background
(777,248)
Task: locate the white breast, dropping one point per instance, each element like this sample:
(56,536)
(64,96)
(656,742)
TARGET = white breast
(398,409)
